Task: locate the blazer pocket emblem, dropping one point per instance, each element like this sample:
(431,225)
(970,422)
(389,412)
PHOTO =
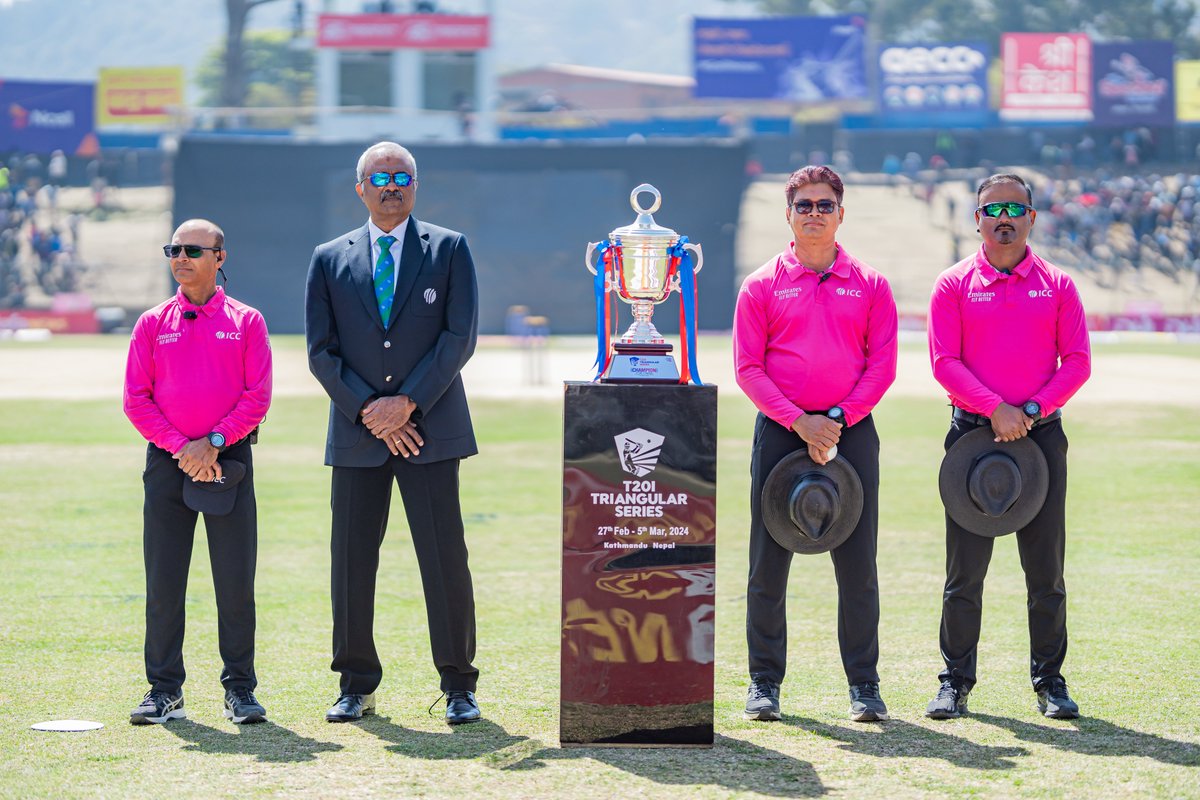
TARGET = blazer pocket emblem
(430,295)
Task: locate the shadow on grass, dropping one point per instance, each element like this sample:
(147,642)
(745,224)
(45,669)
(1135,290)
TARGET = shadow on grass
(734,764)
(1097,737)
(266,741)
(898,739)
(461,742)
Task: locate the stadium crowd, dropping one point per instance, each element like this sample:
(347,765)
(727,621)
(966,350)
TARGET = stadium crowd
(1099,221)
(26,185)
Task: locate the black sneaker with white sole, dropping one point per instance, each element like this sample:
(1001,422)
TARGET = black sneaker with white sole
(241,706)
(157,707)
(865,703)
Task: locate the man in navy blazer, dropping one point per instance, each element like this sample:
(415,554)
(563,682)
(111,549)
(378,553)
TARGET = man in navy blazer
(391,315)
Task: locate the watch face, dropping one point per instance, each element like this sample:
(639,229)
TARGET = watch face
(835,413)
(216,439)
(1031,409)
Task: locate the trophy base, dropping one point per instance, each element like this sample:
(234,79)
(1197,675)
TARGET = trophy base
(636,362)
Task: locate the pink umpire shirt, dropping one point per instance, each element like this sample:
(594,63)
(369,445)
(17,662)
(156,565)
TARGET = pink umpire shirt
(803,343)
(1008,338)
(188,377)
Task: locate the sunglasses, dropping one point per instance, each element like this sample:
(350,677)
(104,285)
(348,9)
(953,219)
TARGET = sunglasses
(1012,209)
(382,179)
(192,250)
(822,206)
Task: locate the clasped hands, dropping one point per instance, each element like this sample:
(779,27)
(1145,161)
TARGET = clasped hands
(390,419)
(1009,423)
(198,458)
(820,433)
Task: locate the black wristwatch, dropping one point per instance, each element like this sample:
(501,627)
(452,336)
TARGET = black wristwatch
(837,415)
(1032,410)
(217,440)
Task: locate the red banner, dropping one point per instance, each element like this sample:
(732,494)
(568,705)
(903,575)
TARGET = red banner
(1047,76)
(400,31)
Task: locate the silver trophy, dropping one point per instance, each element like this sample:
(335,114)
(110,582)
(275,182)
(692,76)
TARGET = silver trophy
(641,266)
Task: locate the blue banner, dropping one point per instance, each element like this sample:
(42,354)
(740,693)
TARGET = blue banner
(1135,83)
(37,117)
(802,59)
(937,82)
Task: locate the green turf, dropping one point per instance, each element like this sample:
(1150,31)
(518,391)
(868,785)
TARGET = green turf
(71,594)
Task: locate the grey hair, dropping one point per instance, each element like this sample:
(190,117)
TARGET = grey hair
(381,147)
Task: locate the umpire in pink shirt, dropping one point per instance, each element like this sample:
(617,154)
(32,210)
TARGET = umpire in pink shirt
(814,328)
(197,383)
(1009,343)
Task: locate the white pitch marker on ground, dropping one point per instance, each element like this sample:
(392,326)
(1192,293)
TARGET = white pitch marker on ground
(67,725)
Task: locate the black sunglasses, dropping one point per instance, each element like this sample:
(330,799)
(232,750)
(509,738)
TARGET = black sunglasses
(822,206)
(381,179)
(192,250)
(1012,209)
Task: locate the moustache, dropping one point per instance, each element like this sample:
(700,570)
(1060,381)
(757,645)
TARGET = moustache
(390,193)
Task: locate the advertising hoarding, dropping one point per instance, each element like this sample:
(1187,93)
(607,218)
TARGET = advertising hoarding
(1047,77)
(802,59)
(938,82)
(138,95)
(41,117)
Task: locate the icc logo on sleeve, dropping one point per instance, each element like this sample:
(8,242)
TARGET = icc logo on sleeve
(639,450)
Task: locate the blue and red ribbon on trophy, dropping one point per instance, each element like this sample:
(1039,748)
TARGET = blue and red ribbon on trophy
(681,260)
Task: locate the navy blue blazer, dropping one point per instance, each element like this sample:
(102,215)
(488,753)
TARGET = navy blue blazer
(419,353)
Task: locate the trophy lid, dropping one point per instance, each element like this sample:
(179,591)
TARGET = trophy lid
(644,228)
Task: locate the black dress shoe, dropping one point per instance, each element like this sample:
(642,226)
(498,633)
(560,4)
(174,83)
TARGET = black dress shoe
(350,707)
(461,707)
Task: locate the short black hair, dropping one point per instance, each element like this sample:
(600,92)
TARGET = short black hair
(1005,177)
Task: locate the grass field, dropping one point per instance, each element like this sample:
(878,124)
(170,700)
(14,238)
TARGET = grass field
(71,594)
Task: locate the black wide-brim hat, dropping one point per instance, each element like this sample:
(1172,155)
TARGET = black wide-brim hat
(811,508)
(215,497)
(992,488)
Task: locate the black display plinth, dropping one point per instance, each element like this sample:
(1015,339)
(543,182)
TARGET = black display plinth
(639,564)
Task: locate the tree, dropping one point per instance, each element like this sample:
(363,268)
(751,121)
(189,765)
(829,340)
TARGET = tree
(233,79)
(949,20)
(275,73)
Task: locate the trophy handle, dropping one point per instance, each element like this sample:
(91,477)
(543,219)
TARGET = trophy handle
(587,258)
(698,254)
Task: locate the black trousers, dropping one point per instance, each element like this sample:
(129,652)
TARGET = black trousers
(361,498)
(1042,546)
(853,560)
(168,530)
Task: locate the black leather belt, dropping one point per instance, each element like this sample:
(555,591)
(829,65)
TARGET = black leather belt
(980,419)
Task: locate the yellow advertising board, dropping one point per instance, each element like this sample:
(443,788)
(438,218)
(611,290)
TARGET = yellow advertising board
(1187,91)
(138,95)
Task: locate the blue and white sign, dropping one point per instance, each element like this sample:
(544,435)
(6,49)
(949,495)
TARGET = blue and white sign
(934,79)
(37,117)
(802,59)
